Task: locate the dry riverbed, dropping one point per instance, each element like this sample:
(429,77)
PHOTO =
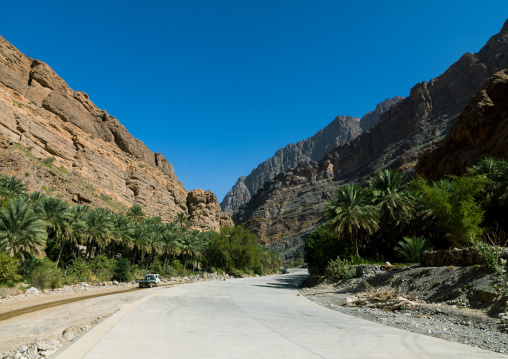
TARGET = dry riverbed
(462,304)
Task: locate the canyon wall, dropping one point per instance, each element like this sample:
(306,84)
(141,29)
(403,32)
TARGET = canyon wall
(57,141)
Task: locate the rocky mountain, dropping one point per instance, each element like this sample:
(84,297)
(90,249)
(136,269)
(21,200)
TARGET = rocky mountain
(288,207)
(57,141)
(480,131)
(341,130)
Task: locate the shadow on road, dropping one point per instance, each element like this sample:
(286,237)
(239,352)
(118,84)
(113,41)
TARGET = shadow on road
(292,281)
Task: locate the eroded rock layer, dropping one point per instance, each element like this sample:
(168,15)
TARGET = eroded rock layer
(480,131)
(57,141)
(291,203)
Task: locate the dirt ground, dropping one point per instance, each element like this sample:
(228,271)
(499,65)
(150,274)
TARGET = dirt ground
(50,324)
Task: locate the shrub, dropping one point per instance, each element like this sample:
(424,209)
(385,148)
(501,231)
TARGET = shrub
(122,270)
(488,254)
(8,270)
(155,266)
(320,248)
(79,271)
(177,267)
(341,269)
(49,160)
(411,249)
(102,267)
(45,275)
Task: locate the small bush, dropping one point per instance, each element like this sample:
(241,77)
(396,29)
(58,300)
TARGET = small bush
(177,267)
(122,270)
(102,267)
(155,266)
(45,275)
(8,270)
(341,269)
(79,271)
(488,254)
(258,270)
(49,160)
(411,249)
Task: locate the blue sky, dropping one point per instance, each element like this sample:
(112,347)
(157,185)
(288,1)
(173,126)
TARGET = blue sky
(218,86)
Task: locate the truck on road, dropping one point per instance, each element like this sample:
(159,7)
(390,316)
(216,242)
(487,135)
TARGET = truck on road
(149,281)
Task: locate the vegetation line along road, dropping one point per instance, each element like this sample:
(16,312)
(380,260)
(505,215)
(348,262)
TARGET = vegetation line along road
(34,308)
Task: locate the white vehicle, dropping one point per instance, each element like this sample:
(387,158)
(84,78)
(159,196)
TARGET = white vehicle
(149,281)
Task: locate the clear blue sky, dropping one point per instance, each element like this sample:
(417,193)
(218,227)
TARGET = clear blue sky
(219,86)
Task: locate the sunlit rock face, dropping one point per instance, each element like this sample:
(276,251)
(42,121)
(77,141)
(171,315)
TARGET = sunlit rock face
(57,141)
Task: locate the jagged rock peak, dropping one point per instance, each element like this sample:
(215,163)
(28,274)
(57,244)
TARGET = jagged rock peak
(371,119)
(338,132)
(286,209)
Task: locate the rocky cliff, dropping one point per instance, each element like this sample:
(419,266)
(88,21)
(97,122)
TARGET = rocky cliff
(56,140)
(341,130)
(480,131)
(292,203)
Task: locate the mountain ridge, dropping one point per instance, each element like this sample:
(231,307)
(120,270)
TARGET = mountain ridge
(291,204)
(341,130)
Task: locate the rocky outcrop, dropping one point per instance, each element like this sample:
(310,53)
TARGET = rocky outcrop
(57,141)
(293,201)
(372,118)
(480,131)
(340,131)
(204,211)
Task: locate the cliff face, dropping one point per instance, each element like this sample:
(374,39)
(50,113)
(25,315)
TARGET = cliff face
(56,140)
(480,131)
(292,203)
(340,131)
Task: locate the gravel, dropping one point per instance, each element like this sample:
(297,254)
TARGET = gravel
(461,320)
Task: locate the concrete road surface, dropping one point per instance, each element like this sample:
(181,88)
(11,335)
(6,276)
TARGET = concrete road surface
(250,318)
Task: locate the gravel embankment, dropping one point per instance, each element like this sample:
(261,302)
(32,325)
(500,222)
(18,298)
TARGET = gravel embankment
(464,319)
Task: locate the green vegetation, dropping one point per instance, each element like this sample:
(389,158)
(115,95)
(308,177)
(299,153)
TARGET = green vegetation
(341,269)
(235,249)
(393,217)
(48,243)
(412,248)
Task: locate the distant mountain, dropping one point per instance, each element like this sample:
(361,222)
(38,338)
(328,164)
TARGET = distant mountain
(288,207)
(55,140)
(340,131)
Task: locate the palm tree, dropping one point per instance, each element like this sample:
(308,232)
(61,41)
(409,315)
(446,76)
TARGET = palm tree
(122,230)
(171,243)
(141,242)
(496,171)
(78,216)
(351,215)
(98,229)
(57,214)
(136,214)
(181,219)
(192,247)
(21,230)
(390,195)
(10,187)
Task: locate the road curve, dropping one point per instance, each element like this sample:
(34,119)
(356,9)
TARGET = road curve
(260,317)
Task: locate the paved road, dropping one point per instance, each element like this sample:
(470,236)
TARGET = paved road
(250,318)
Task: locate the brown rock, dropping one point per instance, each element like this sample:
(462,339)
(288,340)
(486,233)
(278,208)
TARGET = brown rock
(291,204)
(480,131)
(57,141)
